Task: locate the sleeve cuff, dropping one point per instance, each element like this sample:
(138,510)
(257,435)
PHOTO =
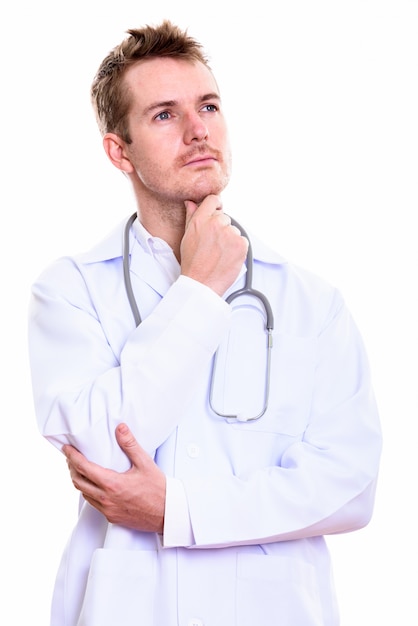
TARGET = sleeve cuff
(177,526)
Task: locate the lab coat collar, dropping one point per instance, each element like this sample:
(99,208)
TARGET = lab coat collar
(112,247)
(262,252)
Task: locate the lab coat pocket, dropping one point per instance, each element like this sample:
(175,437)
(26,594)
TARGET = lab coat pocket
(120,589)
(278,591)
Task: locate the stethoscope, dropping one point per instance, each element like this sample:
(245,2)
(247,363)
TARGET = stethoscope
(247,290)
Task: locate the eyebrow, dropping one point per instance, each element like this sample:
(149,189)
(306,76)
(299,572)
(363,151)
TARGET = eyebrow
(172,103)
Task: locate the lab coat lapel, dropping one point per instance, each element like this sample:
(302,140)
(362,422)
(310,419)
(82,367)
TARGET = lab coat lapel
(147,270)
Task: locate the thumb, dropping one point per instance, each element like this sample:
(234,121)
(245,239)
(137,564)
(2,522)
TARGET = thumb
(190,209)
(129,444)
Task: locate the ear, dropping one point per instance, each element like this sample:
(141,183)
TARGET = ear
(115,149)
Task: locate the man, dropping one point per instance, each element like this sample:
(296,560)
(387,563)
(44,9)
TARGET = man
(208,482)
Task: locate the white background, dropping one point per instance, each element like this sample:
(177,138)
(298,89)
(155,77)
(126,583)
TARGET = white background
(322,103)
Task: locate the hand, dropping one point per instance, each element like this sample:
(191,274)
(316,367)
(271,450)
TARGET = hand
(212,251)
(135,498)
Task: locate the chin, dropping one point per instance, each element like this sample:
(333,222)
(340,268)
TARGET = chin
(199,193)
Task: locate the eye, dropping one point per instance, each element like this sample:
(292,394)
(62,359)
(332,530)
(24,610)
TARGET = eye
(210,107)
(164,115)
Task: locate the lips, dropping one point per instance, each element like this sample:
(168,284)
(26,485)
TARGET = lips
(201,161)
(200,158)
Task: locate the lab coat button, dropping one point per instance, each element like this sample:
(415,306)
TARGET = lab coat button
(195,622)
(193,451)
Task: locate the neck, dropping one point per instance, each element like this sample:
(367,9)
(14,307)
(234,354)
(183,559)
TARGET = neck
(167,223)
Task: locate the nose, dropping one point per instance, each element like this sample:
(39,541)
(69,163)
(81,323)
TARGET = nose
(195,129)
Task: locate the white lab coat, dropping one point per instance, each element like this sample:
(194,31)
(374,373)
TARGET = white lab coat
(261,494)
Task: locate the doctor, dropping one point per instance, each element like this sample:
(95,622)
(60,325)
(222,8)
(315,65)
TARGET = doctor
(188,518)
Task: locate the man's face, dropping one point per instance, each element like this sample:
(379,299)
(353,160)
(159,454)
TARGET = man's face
(180,149)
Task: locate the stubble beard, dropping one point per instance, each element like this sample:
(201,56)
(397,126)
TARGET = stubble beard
(168,203)
(172,210)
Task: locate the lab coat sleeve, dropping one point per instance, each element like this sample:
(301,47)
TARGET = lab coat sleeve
(82,389)
(325,482)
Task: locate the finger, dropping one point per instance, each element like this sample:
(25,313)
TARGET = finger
(97,503)
(81,481)
(236,230)
(129,444)
(224,218)
(211,205)
(81,468)
(72,454)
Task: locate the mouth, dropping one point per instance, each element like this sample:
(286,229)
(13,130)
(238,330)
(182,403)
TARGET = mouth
(201,161)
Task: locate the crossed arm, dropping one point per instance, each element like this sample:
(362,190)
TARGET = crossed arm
(135,498)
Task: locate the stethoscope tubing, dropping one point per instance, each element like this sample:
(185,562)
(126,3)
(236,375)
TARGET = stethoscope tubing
(247,290)
(126,274)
